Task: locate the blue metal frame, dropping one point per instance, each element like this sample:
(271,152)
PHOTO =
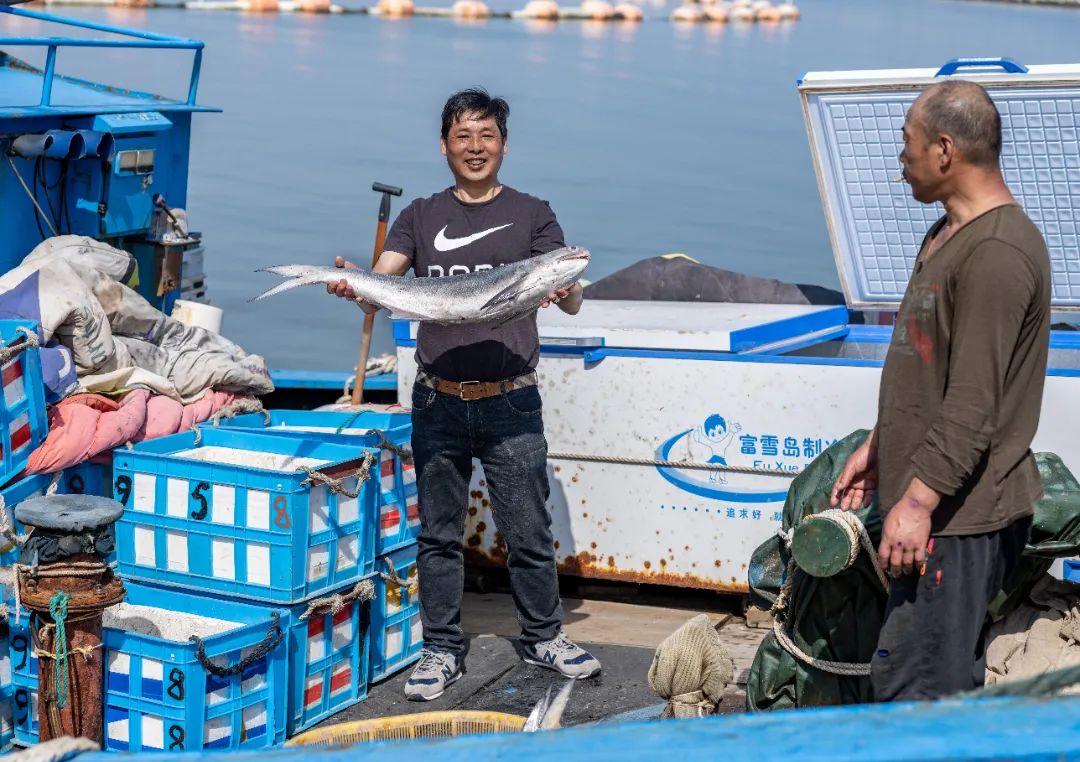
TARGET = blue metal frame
(141,40)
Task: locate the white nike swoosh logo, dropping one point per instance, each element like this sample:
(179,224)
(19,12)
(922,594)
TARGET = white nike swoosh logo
(442,243)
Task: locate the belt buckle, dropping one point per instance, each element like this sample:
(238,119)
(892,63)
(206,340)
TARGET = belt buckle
(461,389)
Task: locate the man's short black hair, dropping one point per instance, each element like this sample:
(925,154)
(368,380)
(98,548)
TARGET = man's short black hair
(965,111)
(475,100)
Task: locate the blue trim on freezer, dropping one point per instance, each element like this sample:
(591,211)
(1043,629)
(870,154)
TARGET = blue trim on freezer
(776,331)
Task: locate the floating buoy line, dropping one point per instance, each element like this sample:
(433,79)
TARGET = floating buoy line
(705,11)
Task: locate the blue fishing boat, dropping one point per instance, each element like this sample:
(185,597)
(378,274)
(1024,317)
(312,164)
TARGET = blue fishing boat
(213,529)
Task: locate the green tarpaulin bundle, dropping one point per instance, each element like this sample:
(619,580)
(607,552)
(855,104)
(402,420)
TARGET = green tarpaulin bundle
(837,619)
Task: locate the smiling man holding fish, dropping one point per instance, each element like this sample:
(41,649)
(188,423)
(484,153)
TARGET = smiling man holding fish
(476,392)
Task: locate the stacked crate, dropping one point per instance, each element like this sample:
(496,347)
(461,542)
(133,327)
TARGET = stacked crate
(395,635)
(284,522)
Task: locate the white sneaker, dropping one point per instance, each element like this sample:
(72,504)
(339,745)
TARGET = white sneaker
(564,656)
(437,669)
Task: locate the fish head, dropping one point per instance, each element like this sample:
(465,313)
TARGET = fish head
(567,264)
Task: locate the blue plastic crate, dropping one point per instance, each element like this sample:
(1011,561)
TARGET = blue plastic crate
(159,695)
(328,661)
(399,513)
(24,711)
(7,717)
(242,530)
(23,423)
(396,635)
(87,479)
(13,494)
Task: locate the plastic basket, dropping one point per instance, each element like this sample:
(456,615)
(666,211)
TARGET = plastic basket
(209,516)
(160,694)
(328,659)
(7,721)
(399,514)
(23,423)
(24,711)
(396,636)
(411,726)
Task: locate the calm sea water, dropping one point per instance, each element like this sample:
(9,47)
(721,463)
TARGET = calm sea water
(646,139)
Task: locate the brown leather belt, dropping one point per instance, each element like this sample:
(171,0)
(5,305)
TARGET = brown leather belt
(470,391)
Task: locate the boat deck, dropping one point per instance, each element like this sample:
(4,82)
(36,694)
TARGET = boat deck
(622,635)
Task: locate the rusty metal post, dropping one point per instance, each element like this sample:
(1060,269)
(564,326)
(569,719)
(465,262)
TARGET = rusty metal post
(65,584)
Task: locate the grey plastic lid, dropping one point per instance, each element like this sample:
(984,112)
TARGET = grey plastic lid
(68,513)
(854,120)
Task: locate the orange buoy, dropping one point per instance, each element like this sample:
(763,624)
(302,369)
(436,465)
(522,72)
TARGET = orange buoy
(314,6)
(629,12)
(395,8)
(597,10)
(718,13)
(688,13)
(470,9)
(263,6)
(768,13)
(788,11)
(132,3)
(742,13)
(541,9)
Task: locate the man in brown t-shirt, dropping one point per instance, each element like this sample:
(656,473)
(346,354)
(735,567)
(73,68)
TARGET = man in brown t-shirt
(959,403)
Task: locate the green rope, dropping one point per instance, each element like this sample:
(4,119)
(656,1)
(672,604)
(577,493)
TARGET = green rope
(58,608)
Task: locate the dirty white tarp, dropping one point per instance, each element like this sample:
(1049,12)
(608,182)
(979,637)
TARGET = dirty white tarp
(117,339)
(1042,635)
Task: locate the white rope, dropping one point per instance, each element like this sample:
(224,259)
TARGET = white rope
(56,750)
(857,537)
(364,591)
(30,339)
(680,464)
(54,484)
(238,407)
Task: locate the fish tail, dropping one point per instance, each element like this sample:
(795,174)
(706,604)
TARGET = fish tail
(298,276)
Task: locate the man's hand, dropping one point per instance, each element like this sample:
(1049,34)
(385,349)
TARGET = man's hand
(906,531)
(567,299)
(855,486)
(344,290)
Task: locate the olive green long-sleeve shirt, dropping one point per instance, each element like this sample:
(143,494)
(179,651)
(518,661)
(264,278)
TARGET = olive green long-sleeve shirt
(962,385)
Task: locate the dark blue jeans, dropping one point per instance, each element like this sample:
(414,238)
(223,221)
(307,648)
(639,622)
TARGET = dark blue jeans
(506,433)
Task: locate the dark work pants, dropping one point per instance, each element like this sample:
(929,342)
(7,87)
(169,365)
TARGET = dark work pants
(506,433)
(933,641)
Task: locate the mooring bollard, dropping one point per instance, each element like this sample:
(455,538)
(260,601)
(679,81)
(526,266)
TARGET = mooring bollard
(65,583)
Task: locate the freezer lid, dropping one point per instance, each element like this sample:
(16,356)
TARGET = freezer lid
(854,119)
(680,326)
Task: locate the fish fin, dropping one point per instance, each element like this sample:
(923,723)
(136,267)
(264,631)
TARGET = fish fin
(505,295)
(405,316)
(553,714)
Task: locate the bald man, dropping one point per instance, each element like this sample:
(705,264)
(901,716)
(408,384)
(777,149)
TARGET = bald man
(950,456)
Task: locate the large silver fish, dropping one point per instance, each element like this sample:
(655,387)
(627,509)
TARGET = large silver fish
(495,295)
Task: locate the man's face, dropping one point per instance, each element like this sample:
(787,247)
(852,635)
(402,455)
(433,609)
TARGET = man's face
(921,159)
(474,148)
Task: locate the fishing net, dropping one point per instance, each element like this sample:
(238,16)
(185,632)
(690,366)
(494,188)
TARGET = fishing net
(837,618)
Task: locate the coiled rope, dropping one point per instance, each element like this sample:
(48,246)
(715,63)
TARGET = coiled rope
(860,538)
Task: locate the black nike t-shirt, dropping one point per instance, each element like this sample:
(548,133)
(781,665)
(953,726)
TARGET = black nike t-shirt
(443,235)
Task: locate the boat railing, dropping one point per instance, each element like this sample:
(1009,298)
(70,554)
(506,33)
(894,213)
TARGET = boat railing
(135,39)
